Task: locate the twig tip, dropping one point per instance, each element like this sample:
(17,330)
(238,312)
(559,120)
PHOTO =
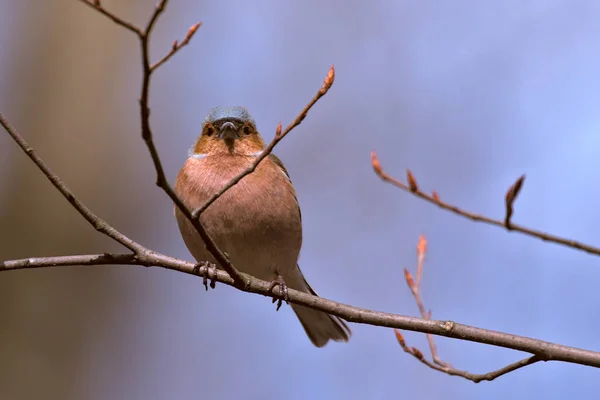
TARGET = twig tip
(422,245)
(192,30)
(375,163)
(328,80)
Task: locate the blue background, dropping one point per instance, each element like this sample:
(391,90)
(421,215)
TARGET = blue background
(467,94)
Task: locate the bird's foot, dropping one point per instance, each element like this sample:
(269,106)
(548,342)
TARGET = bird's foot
(209,272)
(282,294)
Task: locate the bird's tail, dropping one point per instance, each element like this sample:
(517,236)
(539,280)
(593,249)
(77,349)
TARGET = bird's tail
(319,326)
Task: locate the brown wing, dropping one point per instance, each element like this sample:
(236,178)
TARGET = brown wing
(278,162)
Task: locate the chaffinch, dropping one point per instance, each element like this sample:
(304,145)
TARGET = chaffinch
(257,222)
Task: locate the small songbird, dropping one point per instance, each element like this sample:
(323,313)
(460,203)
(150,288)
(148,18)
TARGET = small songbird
(257,222)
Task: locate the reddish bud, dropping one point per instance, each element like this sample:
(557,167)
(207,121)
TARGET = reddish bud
(375,163)
(514,190)
(511,196)
(400,338)
(192,30)
(409,279)
(412,183)
(417,353)
(422,245)
(328,80)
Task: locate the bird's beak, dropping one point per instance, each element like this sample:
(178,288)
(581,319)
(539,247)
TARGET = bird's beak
(228,131)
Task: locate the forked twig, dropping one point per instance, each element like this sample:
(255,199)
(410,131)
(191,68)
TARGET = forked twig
(161,181)
(438,364)
(241,281)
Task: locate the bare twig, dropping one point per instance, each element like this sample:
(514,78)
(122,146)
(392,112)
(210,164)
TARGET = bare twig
(438,364)
(415,287)
(96,5)
(435,199)
(98,223)
(489,376)
(161,180)
(545,351)
(176,46)
(160,7)
(279,135)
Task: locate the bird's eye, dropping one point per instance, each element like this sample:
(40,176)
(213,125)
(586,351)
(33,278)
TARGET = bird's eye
(247,130)
(209,130)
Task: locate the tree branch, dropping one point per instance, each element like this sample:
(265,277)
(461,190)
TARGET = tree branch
(161,180)
(438,364)
(176,47)
(98,223)
(450,370)
(96,5)
(435,199)
(545,351)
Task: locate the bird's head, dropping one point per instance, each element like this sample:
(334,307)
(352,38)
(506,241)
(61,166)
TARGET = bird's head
(228,130)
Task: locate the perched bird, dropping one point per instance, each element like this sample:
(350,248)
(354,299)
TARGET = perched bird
(257,222)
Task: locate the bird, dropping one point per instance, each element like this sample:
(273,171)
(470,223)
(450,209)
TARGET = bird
(257,222)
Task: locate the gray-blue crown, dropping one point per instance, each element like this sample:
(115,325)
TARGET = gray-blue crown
(236,112)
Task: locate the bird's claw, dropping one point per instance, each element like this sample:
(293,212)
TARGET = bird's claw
(210,272)
(283,291)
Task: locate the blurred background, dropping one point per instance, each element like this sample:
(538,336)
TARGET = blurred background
(467,94)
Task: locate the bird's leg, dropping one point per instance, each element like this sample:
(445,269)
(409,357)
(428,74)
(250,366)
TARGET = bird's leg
(210,272)
(283,291)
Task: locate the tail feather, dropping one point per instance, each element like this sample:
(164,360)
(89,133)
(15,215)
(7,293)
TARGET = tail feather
(320,326)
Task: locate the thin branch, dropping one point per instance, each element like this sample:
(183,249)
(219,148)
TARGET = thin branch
(98,223)
(160,7)
(438,364)
(161,180)
(176,47)
(64,261)
(415,287)
(435,199)
(279,135)
(96,5)
(545,351)
(476,378)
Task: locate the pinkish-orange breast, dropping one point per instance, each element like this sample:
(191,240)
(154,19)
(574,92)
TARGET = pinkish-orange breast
(256,222)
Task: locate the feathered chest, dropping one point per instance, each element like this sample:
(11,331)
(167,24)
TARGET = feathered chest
(263,202)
